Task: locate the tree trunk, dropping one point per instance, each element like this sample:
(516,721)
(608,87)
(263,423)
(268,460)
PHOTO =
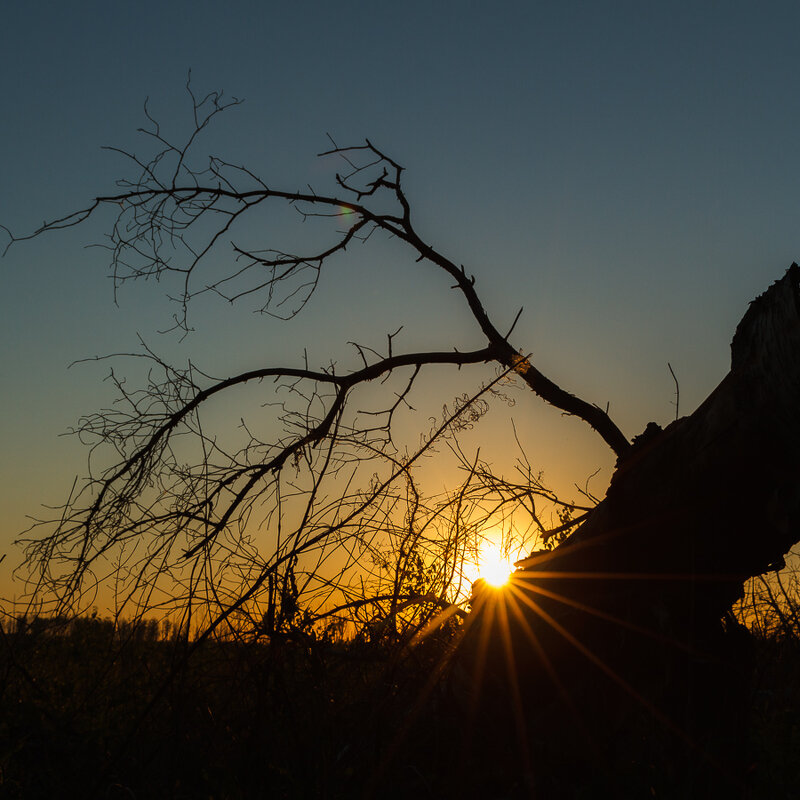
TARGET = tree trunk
(617,637)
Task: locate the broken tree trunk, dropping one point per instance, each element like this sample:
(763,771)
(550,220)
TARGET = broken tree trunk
(618,632)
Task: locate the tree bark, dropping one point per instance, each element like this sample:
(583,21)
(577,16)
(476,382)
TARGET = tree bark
(619,631)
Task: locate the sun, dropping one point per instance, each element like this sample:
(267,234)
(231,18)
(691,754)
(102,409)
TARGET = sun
(495,567)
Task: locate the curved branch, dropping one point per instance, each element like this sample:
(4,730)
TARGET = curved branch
(343,382)
(163,207)
(169,219)
(502,350)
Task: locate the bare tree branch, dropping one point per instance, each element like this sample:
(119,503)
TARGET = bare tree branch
(179,500)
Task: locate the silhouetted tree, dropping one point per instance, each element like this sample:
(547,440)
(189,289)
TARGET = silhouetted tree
(625,617)
(323,473)
(631,613)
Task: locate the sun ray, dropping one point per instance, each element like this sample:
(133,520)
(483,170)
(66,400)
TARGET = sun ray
(513,679)
(588,738)
(609,671)
(434,624)
(484,609)
(581,728)
(674,577)
(416,709)
(640,629)
(529,632)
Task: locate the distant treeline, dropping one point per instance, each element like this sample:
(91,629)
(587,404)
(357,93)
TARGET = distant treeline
(92,626)
(769,608)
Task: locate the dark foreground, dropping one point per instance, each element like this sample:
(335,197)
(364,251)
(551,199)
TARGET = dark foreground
(82,717)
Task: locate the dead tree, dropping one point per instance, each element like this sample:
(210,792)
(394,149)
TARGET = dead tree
(170,498)
(632,606)
(635,595)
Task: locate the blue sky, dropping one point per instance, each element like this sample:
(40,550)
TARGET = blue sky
(626,171)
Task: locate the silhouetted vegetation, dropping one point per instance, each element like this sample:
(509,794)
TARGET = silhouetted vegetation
(320,639)
(83,716)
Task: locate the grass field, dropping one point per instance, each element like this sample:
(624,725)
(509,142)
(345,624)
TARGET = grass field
(82,716)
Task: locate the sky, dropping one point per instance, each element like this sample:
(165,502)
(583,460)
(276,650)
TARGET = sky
(626,171)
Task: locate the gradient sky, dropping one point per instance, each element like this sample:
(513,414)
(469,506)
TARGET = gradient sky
(627,171)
